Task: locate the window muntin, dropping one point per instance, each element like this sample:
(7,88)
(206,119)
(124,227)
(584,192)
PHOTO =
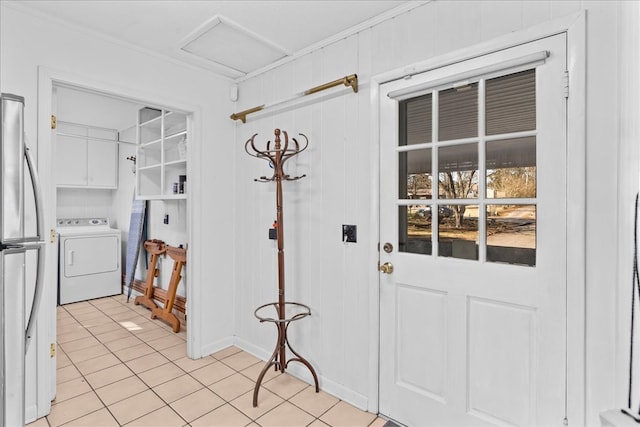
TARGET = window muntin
(482,150)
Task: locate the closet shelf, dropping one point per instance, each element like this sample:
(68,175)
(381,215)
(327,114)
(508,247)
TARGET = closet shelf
(161,152)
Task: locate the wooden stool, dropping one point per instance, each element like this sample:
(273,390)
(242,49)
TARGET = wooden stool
(179,256)
(155,248)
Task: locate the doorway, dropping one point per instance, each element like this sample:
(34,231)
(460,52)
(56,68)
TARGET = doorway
(99,138)
(473,233)
(178,207)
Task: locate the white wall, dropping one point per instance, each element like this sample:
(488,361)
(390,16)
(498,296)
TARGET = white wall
(332,277)
(28,42)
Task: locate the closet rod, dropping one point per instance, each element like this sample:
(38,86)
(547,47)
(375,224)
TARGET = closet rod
(93,138)
(86,126)
(350,80)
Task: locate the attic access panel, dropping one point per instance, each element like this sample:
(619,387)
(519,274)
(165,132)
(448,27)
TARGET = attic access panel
(225,43)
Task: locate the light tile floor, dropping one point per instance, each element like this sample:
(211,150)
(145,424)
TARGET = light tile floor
(118,367)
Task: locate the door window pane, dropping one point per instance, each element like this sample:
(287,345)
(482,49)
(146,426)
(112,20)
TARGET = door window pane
(458,113)
(511,234)
(415,174)
(511,103)
(414,232)
(417,124)
(446,196)
(458,171)
(458,232)
(511,168)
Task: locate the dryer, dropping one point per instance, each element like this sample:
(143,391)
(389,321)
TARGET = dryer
(89,264)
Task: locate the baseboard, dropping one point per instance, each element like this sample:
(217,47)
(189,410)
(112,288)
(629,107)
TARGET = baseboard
(216,346)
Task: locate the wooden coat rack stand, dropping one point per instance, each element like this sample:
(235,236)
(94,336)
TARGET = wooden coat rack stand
(287,312)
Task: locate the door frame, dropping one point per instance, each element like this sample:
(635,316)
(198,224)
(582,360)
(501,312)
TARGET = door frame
(574,26)
(47,79)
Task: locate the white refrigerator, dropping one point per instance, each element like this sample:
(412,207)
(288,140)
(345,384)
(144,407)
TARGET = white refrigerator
(21,258)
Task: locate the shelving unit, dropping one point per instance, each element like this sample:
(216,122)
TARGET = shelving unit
(161,154)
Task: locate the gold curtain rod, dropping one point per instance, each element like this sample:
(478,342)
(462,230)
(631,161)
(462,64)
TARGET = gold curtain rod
(350,80)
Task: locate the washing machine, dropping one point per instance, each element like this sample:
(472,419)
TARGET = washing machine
(89,264)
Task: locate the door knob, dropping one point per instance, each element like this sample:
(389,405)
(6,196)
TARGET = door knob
(386,268)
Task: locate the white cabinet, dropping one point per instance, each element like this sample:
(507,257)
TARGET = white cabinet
(86,157)
(161,166)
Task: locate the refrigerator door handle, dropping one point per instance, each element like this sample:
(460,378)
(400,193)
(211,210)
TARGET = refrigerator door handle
(5,246)
(37,294)
(39,245)
(37,194)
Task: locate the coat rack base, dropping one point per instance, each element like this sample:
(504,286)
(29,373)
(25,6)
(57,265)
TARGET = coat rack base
(285,313)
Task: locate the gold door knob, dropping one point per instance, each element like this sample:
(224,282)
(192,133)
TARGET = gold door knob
(386,268)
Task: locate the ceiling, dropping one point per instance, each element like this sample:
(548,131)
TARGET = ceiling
(236,39)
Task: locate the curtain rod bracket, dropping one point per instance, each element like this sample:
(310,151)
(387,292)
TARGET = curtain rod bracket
(349,81)
(242,115)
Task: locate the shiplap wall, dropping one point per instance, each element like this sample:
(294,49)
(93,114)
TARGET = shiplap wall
(333,278)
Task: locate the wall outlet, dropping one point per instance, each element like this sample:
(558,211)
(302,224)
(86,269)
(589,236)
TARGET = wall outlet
(349,233)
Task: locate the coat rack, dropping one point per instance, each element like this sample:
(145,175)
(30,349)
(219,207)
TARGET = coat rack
(286,312)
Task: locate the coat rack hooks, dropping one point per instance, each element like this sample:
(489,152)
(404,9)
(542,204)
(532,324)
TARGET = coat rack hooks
(133,167)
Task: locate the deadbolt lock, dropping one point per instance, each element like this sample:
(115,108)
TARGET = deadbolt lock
(386,268)
(387,247)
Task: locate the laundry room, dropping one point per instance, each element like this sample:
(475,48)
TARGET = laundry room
(96,136)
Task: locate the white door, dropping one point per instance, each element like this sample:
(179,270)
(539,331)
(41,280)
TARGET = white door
(473,220)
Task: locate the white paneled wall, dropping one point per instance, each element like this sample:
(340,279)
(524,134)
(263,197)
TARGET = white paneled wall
(84,58)
(333,278)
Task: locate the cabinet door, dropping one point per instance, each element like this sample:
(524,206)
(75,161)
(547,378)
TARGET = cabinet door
(71,161)
(102,161)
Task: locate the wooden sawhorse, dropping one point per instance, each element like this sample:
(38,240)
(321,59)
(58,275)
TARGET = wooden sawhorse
(155,248)
(179,256)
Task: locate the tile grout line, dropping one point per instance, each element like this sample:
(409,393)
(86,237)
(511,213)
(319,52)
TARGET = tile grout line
(168,404)
(135,374)
(94,390)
